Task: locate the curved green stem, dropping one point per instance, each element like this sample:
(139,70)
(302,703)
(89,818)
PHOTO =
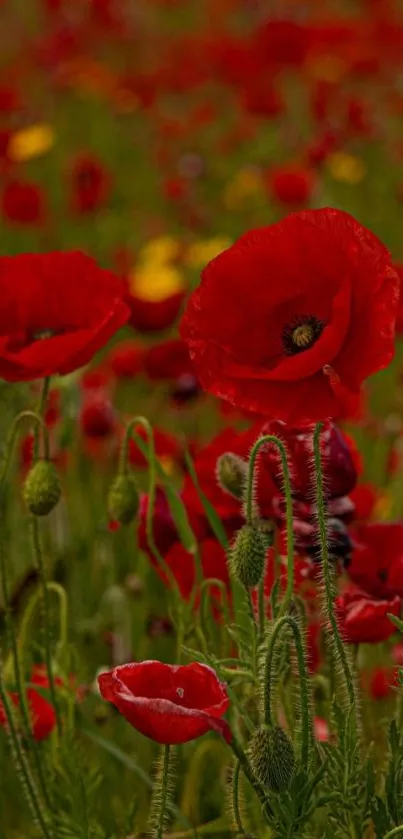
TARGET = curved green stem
(306,723)
(270,438)
(325,565)
(247,769)
(394,832)
(31,609)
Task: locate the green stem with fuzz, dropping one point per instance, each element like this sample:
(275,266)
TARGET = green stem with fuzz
(11,634)
(271,439)
(164,789)
(394,832)
(40,565)
(325,565)
(22,762)
(306,722)
(235,800)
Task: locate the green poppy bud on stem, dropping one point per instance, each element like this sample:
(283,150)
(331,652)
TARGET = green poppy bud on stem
(271,755)
(248,556)
(123,499)
(231,472)
(42,488)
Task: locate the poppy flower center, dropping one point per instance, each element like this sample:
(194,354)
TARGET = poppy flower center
(301,334)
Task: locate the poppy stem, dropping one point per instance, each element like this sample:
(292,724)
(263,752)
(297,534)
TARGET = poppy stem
(164,790)
(339,648)
(270,676)
(40,564)
(249,503)
(235,800)
(247,769)
(22,762)
(11,634)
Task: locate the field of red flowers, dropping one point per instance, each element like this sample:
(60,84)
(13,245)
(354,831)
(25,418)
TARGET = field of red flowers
(201,424)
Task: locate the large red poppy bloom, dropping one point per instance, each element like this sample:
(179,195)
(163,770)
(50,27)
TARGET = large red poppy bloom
(291,319)
(57,311)
(168,703)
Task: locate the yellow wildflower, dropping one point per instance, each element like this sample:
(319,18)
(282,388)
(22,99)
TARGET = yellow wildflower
(346,168)
(154,282)
(31,142)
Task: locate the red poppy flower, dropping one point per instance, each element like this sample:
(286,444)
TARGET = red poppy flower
(291,319)
(168,703)
(338,464)
(58,310)
(43,715)
(182,564)
(292,186)
(126,359)
(398,266)
(381,682)
(377,559)
(90,185)
(97,417)
(23,203)
(364,498)
(362,618)
(168,360)
(147,316)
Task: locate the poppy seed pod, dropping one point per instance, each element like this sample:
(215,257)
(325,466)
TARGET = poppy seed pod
(231,471)
(123,499)
(42,488)
(248,556)
(271,754)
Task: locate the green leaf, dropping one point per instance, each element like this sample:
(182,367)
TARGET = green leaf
(212,516)
(396,621)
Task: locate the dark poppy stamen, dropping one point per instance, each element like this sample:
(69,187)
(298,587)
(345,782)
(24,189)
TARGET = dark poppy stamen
(301,334)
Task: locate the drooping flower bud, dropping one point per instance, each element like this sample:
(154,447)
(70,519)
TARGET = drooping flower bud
(271,754)
(231,471)
(42,488)
(266,530)
(123,499)
(248,556)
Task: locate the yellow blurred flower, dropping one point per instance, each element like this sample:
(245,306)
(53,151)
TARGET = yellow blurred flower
(168,465)
(200,253)
(383,507)
(31,142)
(346,168)
(245,185)
(160,251)
(155,282)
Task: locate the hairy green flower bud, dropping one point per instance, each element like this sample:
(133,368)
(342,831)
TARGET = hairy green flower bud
(231,472)
(123,499)
(271,755)
(42,488)
(248,556)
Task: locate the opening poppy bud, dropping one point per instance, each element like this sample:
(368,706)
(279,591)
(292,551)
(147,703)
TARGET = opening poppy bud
(123,499)
(271,754)
(42,488)
(248,556)
(231,471)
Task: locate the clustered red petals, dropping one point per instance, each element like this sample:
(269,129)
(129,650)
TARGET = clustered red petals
(42,712)
(58,310)
(319,272)
(170,704)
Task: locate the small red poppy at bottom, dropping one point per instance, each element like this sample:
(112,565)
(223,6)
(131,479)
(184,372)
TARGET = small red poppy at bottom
(169,704)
